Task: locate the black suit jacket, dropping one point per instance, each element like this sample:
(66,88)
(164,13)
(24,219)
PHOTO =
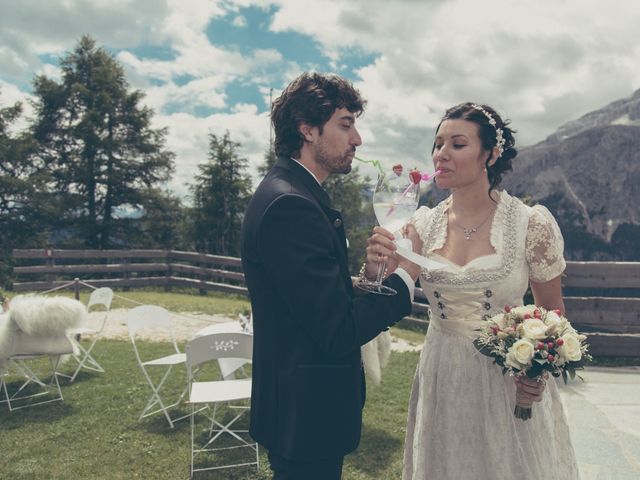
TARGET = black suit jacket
(308,382)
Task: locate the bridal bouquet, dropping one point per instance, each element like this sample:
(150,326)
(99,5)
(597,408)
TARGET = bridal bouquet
(530,340)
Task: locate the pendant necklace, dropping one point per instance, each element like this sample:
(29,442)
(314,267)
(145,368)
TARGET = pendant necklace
(470,231)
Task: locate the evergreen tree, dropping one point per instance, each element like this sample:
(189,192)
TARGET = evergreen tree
(220,195)
(347,195)
(97,140)
(165,223)
(24,204)
(269,161)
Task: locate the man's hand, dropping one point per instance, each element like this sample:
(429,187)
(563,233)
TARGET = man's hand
(381,248)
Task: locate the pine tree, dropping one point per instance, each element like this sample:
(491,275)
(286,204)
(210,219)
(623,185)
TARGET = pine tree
(220,195)
(24,202)
(269,161)
(97,140)
(347,195)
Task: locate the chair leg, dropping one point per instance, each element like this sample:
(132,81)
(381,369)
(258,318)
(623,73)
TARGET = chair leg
(32,378)
(155,399)
(226,428)
(84,359)
(193,414)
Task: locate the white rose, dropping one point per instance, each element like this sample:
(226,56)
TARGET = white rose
(520,353)
(500,320)
(552,319)
(534,328)
(570,349)
(524,310)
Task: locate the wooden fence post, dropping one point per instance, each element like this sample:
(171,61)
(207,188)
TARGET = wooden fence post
(169,273)
(50,262)
(76,288)
(126,275)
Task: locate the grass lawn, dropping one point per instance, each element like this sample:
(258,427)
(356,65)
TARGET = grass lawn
(177,300)
(95,432)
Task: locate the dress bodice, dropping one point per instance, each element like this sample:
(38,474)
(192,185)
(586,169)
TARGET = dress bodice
(527,243)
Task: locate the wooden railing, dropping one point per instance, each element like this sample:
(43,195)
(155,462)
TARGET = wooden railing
(128,268)
(602,298)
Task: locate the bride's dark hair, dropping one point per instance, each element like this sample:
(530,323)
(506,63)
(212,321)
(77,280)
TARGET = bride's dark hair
(481,115)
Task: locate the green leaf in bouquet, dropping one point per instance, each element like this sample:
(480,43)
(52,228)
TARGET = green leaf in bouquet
(572,374)
(483,348)
(564,376)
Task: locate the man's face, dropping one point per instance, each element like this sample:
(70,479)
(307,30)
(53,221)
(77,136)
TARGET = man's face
(335,147)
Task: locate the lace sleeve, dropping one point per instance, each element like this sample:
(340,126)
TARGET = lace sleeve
(421,220)
(544,246)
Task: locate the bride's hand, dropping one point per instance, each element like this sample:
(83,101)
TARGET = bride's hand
(410,232)
(529,390)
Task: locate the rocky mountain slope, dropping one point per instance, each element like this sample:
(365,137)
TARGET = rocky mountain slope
(588,174)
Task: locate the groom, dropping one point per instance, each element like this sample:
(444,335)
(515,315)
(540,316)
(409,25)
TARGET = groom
(308,383)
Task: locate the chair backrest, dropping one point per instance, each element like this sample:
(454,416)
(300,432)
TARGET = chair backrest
(150,317)
(219,345)
(147,316)
(100,296)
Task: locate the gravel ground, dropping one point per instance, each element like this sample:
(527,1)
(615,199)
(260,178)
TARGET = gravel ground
(186,324)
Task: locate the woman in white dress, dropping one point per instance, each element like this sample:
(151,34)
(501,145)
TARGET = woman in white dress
(461,423)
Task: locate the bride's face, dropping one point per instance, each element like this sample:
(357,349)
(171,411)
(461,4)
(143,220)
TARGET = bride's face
(458,154)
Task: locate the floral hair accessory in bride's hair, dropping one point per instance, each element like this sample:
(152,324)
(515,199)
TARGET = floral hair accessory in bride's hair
(500,141)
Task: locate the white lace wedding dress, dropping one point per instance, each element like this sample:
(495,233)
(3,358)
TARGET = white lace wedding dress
(461,423)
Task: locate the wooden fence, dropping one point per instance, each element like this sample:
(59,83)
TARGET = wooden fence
(602,298)
(126,269)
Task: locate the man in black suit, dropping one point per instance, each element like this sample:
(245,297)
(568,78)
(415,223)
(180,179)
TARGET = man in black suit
(308,382)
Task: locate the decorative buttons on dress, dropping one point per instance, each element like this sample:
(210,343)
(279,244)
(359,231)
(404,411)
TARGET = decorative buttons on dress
(436,294)
(440,305)
(488,293)
(487,306)
(337,223)
(443,316)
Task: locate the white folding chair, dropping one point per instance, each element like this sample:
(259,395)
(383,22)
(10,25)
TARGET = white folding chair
(156,318)
(228,366)
(20,397)
(99,297)
(35,328)
(217,393)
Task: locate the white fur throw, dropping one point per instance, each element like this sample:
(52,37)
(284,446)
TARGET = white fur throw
(375,356)
(38,316)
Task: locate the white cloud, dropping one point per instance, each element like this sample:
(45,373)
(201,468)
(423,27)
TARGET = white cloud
(9,96)
(188,138)
(539,63)
(239,21)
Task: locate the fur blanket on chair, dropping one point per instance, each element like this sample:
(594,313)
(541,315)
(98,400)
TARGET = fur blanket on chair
(38,316)
(375,356)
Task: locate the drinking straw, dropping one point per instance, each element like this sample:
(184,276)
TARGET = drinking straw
(375,163)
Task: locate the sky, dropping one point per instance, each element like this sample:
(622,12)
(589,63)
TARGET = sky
(210,66)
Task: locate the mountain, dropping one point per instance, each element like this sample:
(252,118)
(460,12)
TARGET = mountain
(588,174)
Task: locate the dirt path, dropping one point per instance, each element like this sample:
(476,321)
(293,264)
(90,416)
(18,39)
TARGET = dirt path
(186,324)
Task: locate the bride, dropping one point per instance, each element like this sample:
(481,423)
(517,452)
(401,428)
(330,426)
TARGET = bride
(461,423)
